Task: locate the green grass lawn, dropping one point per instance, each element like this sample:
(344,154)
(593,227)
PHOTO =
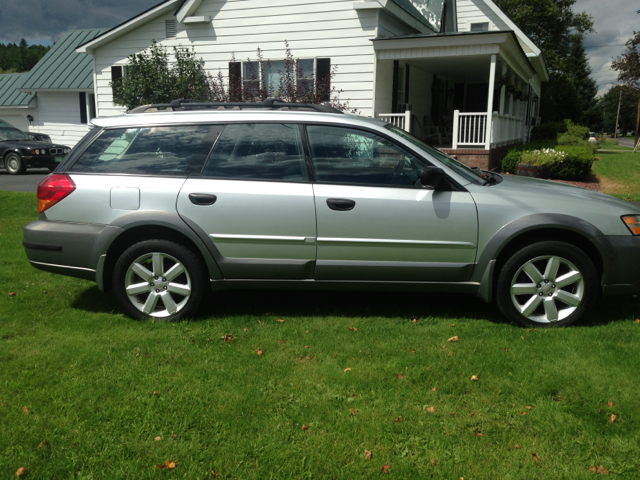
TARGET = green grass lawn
(109,397)
(619,173)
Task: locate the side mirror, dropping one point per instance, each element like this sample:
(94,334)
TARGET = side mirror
(432,177)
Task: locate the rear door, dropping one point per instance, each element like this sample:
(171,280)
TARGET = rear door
(375,220)
(255,202)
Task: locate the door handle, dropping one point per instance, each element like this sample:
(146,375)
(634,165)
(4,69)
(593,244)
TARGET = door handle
(202,198)
(340,204)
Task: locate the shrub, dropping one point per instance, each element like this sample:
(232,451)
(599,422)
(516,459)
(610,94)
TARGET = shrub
(576,130)
(544,157)
(513,157)
(548,131)
(575,166)
(572,140)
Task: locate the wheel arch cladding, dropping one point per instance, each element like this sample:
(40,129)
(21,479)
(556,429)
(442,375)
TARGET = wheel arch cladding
(140,226)
(536,228)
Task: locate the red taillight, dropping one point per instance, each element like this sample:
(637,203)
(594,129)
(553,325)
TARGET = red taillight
(53,189)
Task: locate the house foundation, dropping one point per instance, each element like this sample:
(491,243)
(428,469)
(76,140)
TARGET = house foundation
(483,159)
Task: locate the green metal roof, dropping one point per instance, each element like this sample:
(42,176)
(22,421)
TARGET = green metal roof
(63,68)
(10,95)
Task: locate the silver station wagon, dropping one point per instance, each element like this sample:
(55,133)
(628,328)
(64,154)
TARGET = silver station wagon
(166,206)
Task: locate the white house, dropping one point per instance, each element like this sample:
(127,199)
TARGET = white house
(15,106)
(457,73)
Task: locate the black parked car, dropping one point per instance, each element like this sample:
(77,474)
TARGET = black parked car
(19,151)
(41,137)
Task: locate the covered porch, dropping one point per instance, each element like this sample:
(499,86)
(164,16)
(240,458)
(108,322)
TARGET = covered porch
(470,95)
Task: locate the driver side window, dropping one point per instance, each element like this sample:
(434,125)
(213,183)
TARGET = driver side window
(356,157)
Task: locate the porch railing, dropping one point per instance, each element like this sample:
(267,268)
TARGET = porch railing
(469,129)
(400,120)
(506,129)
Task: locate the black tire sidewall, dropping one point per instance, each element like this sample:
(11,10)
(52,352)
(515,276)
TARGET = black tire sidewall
(21,168)
(555,248)
(192,263)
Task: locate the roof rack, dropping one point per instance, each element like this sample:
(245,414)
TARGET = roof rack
(268,104)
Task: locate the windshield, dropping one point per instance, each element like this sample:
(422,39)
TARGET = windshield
(460,168)
(12,134)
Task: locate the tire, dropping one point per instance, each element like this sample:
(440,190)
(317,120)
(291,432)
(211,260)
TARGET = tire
(547,284)
(160,280)
(14,164)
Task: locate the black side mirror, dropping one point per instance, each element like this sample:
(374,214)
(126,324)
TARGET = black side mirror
(433,177)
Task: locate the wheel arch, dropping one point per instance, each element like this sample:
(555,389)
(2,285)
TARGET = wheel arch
(533,229)
(140,226)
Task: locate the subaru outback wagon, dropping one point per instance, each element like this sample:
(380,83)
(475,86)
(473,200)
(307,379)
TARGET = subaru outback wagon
(163,207)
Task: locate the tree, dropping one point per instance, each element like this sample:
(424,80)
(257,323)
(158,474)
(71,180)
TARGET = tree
(21,57)
(559,33)
(608,106)
(628,65)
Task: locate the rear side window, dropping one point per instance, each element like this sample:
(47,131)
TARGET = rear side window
(167,151)
(266,151)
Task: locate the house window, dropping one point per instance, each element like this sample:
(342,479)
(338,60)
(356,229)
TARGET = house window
(170,28)
(480,27)
(118,72)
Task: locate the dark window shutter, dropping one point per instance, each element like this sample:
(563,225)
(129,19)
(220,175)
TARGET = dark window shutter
(406,83)
(235,81)
(394,95)
(323,75)
(116,73)
(83,108)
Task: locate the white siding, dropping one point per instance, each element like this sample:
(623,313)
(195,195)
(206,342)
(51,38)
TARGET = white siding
(59,117)
(313,28)
(18,116)
(390,27)
(476,11)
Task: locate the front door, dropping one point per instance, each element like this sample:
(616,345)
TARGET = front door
(255,203)
(375,220)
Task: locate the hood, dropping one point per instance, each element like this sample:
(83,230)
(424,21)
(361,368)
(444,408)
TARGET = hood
(34,144)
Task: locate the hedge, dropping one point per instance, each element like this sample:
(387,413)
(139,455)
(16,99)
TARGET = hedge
(513,157)
(575,166)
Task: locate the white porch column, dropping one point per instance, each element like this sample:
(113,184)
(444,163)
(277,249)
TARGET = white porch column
(456,129)
(492,83)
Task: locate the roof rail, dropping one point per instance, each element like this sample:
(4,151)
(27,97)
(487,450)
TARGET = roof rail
(269,104)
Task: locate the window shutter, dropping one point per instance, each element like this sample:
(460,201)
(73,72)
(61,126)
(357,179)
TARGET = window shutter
(323,77)
(116,73)
(83,108)
(170,28)
(406,83)
(394,94)
(235,81)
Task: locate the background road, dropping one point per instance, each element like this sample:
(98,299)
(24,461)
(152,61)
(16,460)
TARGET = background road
(22,183)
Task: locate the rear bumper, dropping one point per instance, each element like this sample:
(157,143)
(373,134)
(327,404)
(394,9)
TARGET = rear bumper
(621,264)
(72,249)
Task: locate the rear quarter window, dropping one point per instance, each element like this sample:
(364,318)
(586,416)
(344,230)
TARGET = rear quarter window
(164,151)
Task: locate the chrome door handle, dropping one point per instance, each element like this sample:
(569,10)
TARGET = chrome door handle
(341,204)
(202,198)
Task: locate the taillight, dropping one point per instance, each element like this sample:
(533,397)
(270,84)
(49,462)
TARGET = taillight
(53,189)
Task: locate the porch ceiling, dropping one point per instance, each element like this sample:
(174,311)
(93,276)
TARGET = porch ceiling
(473,68)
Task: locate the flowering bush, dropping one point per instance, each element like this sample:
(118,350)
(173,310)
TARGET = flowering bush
(543,157)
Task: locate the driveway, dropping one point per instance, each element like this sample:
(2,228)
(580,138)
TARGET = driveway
(22,183)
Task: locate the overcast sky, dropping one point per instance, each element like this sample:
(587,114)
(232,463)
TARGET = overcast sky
(44,21)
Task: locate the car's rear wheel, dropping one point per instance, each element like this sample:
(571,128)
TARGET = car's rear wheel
(547,284)
(14,164)
(160,280)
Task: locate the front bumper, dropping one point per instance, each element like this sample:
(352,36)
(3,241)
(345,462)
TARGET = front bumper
(621,264)
(71,249)
(41,161)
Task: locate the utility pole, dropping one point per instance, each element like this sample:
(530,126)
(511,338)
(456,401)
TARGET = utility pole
(637,127)
(618,117)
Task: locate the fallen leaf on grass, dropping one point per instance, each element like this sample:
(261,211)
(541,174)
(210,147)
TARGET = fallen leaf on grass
(477,434)
(385,468)
(444,346)
(451,354)
(353,329)
(610,404)
(600,470)
(307,346)
(26,410)
(280,341)
(397,420)
(415,320)
(413,351)
(599,410)
(213,474)
(535,457)
(193,341)
(523,413)
(353,411)
(368,454)
(42,443)
(433,462)
(347,369)
(400,377)
(306,331)
(528,407)
(531,330)
(453,339)
(227,338)
(472,415)
(12,294)
(280,320)
(522,337)
(431,409)
(305,427)
(21,471)
(45,292)
(157,439)
(613,417)
(156,393)
(246,329)
(259,352)
(474,378)
(638,320)
(173,434)
(557,399)
(453,324)
(516,446)
(169,464)
(506,349)
(434,389)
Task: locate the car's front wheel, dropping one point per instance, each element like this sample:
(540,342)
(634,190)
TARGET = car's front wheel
(161,280)
(547,284)
(14,164)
